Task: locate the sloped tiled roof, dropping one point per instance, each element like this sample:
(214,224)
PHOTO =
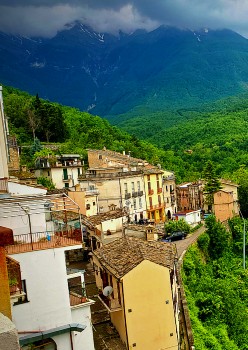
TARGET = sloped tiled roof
(124,254)
(97,219)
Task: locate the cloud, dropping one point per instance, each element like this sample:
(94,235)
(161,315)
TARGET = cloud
(25,17)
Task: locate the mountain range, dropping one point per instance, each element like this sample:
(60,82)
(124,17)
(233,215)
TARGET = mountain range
(110,75)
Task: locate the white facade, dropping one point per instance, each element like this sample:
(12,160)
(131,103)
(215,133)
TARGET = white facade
(50,300)
(193,218)
(63,171)
(16,189)
(125,192)
(48,305)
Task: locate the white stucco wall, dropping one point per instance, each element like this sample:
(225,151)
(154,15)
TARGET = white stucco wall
(48,303)
(113,225)
(57,176)
(21,189)
(82,315)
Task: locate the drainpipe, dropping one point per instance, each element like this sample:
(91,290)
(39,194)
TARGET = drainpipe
(71,341)
(125,314)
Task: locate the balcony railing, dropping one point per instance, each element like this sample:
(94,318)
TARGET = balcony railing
(156,206)
(66,177)
(109,175)
(44,240)
(140,193)
(127,195)
(90,192)
(134,194)
(77,295)
(112,304)
(150,192)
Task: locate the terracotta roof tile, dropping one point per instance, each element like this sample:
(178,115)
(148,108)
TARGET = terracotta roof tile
(124,254)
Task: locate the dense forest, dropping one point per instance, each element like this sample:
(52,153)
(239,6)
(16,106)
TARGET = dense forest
(217,288)
(182,141)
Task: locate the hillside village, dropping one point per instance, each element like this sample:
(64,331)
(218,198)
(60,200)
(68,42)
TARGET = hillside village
(103,222)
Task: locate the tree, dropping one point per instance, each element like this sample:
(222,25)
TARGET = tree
(46,183)
(174,226)
(212,184)
(219,238)
(36,147)
(33,121)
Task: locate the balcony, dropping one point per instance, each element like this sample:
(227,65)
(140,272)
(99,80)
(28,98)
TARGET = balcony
(127,195)
(150,192)
(134,194)
(77,295)
(44,240)
(110,303)
(140,193)
(156,206)
(91,192)
(66,177)
(17,294)
(159,190)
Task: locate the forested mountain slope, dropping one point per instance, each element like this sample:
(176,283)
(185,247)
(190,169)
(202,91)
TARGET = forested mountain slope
(219,134)
(110,75)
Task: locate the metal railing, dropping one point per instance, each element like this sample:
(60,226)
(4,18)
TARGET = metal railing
(44,240)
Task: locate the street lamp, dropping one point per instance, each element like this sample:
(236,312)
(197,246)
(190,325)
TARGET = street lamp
(243,238)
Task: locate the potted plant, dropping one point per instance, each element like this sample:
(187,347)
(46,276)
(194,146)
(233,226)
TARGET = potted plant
(13,285)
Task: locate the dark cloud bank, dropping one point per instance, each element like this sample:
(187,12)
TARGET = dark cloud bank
(46,17)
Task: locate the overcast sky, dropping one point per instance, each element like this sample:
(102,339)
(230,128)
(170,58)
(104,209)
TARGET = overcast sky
(46,17)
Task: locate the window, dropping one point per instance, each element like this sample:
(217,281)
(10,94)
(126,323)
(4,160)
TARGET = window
(94,203)
(166,187)
(133,187)
(78,169)
(134,204)
(150,201)
(87,206)
(48,173)
(148,177)
(140,202)
(125,188)
(66,184)
(159,200)
(100,156)
(138,186)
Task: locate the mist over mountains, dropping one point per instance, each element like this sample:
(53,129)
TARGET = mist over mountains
(109,75)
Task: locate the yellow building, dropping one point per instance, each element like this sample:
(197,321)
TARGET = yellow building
(153,181)
(137,283)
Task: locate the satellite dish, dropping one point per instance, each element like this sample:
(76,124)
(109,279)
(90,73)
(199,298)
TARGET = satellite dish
(107,291)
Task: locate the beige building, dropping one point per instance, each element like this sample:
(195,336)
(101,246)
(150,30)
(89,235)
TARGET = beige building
(224,205)
(230,186)
(169,193)
(118,188)
(4,153)
(62,170)
(137,283)
(86,198)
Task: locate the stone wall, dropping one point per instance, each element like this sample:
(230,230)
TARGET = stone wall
(8,334)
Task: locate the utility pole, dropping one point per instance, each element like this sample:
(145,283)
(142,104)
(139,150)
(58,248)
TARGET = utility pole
(243,238)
